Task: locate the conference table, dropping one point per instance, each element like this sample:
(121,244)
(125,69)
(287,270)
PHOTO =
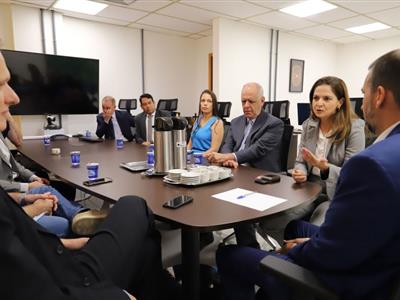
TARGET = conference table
(205,213)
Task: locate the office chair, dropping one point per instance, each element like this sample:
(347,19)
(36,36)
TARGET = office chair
(279,109)
(224,110)
(127,104)
(285,146)
(306,285)
(168,104)
(356,104)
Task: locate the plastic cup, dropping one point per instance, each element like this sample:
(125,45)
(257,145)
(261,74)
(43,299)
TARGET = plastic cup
(198,158)
(150,158)
(120,143)
(88,133)
(93,170)
(75,158)
(46,140)
(151,148)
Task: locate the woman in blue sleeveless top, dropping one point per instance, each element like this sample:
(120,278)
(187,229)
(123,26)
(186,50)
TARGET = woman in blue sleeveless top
(208,130)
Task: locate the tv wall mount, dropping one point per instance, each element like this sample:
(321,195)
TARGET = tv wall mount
(53,122)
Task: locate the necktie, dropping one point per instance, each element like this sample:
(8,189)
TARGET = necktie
(149,129)
(246,134)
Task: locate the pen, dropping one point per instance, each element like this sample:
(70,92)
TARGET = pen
(245,195)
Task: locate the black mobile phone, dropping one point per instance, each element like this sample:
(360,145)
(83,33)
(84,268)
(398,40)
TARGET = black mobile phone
(178,201)
(267,178)
(97,181)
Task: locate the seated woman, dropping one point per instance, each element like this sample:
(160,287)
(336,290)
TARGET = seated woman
(208,130)
(331,135)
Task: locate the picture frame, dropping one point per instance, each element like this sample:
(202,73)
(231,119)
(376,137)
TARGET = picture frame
(296,76)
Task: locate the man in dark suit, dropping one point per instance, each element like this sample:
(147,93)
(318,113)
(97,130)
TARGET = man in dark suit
(123,258)
(254,138)
(355,252)
(113,123)
(145,120)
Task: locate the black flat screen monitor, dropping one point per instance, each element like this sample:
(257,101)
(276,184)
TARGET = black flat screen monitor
(53,84)
(303,112)
(356,103)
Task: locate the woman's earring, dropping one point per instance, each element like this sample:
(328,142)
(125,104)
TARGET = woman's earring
(337,109)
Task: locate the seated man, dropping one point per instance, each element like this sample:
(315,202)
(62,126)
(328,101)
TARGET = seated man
(253,139)
(145,120)
(113,123)
(355,251)
(115,264)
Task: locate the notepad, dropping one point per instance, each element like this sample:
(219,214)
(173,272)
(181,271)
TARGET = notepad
(249,199)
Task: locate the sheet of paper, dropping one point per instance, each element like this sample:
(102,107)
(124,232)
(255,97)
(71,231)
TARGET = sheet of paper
(249,199)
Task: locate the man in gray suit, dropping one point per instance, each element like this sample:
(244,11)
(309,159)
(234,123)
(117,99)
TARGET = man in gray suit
(145,120)
(254,138)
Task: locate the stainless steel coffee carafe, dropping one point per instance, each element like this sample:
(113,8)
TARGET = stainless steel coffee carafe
(179,142)
(163,145)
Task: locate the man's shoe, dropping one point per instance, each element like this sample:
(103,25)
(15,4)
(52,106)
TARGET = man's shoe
(87,222)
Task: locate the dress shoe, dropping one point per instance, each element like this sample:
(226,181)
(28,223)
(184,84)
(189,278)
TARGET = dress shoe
(87,222)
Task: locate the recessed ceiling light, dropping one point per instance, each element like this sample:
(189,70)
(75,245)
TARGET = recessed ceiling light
(81,6)
(308,8)
(368,28)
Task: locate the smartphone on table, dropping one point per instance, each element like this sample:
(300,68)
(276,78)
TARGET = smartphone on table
(178,201)
(267,178)
(97,181)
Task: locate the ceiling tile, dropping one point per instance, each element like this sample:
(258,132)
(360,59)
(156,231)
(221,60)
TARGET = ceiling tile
(382,33)
(237,9)
(331,15)
(39,3)
(195,36)
(389,17)
(189,13)
(157,29)
(119,13)
(281,20)
(172,23)
(150,5)
(362,6)
(351,22)
(94,18)
(324,32)
(350,39)
(274,4)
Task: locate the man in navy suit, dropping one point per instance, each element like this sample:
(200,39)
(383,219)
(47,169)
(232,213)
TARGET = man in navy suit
(355,252)
(114,123)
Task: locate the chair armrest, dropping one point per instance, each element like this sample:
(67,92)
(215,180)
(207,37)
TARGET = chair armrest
(297,277)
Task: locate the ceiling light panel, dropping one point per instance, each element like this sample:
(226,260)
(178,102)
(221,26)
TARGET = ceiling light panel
(368,28)
(80,6)
(308,8)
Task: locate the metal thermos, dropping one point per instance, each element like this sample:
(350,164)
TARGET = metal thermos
(179,142)
(163,145)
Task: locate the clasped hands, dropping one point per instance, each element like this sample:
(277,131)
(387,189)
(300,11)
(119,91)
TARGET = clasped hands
(289,244)
(320,163)
(225,159)
(45,203)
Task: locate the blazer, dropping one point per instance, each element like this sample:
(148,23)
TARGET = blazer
(35,265)
(9,174)
(338,154)
(356,250)
(263,145)
(125,122)
(140,121)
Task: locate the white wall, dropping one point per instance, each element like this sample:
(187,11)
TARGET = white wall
(241,55)
(320,59)
(354,59)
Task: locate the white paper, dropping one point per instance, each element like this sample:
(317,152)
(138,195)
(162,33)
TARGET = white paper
(249,199)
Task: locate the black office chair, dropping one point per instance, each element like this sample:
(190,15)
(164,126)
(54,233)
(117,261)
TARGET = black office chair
(168,104)
(305,284)
(279,109)
(285,146)
(127,104)
(224,111)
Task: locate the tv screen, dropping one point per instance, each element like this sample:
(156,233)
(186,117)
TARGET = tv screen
(303,112)
(53,84)
(356,104)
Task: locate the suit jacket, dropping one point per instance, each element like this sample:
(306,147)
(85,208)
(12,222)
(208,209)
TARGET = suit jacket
(125,122)
(35,265)
(140,121)
(9,174)
(356,250)
(338,154)
(263,144)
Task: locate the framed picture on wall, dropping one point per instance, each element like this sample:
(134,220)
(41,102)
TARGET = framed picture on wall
(296,75)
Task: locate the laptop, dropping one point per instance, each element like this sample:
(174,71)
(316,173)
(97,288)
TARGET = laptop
(135,166)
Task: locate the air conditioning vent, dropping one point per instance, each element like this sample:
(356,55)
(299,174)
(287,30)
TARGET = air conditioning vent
(123,2)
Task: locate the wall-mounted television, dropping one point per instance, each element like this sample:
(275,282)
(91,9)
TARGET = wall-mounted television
(53,84)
